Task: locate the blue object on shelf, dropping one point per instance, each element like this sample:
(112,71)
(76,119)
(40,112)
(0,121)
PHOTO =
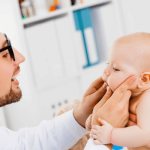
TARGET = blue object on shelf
(83,21)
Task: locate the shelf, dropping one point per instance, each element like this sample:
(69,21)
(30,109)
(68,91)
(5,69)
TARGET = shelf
(90,4)
(35,19)
(49,15)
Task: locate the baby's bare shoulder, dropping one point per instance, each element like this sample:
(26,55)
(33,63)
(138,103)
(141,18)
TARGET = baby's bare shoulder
(137,101)
(144,98)
(143,111)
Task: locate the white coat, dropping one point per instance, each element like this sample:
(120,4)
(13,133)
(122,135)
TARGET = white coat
(59,133)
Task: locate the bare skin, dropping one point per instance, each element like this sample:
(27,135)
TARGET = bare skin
(133,106)
(139,58)
(105,101)
(130,55)
(120,100)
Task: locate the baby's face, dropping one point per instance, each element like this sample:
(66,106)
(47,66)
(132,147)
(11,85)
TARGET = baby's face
(121,65)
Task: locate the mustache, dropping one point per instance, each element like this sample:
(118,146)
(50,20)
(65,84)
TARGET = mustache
(17,70)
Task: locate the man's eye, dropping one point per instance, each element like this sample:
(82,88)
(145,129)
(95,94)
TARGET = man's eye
(5,55)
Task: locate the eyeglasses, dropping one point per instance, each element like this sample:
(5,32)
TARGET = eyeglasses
(9,48)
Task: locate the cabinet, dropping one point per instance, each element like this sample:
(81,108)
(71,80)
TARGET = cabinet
(57,69)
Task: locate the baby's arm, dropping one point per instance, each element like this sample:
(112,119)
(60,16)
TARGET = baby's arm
(134,136)
(130,137)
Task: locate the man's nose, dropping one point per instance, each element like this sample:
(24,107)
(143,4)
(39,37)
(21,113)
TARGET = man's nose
(19,58)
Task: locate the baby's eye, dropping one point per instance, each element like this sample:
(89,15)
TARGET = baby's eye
(115,69)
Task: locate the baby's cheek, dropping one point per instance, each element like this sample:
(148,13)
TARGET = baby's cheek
(116,80)
(113,83)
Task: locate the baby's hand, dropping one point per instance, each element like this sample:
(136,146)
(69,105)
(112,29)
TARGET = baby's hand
(101,134)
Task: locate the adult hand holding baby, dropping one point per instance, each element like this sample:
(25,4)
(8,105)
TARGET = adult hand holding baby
(91,97)
(105,103)
(114,108)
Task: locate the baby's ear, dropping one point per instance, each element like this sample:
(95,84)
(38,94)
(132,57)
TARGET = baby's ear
(144,80)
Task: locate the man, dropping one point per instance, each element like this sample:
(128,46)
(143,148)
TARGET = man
(64,131)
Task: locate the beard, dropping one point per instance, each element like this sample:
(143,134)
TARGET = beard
(12,97)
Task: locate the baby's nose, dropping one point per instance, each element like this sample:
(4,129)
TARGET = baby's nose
(106,75)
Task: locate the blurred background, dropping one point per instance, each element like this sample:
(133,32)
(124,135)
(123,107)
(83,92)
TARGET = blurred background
(66,44)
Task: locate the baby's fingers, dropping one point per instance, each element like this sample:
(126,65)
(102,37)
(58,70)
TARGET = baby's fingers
(94,131)
(93,136)
(96,128)
(97,142)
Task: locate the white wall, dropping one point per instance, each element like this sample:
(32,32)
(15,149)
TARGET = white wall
(135,15)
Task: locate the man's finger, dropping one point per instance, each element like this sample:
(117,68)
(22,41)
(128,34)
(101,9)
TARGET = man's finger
(105,98)
(121,90)
(133,117)
(122,97)
(126,84)
(97,83)
(125,98)
(101,91)
(130,123)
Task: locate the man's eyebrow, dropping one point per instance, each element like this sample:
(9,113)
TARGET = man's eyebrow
(4,43)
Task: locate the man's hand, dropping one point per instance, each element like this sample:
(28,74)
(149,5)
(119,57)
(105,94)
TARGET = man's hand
(88,123)
(91,97)
(114,108)
(132,120)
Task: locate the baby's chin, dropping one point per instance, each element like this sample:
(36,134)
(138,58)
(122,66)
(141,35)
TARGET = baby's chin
(112,87)
(134,90)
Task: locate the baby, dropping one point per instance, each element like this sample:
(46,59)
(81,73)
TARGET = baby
(130,55)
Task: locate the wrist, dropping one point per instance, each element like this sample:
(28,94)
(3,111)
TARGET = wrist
(111,133)
(79,116)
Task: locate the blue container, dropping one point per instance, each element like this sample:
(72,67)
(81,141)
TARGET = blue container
(115,147)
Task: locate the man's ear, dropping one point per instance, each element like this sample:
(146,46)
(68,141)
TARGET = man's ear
(144,81)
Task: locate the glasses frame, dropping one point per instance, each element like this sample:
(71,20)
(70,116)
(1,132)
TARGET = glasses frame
(9,48)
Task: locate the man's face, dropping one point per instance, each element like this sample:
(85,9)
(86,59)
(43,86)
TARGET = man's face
(9,69)
(121,65)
